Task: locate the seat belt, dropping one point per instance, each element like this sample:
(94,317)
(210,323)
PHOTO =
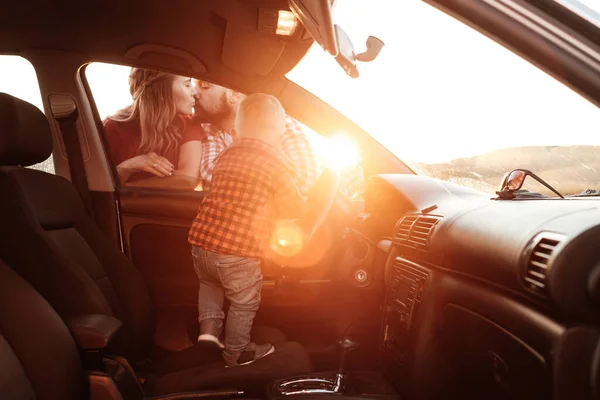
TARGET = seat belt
(67,122)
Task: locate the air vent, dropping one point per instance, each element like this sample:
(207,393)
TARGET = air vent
(414,230)
(538,262)
(404,227)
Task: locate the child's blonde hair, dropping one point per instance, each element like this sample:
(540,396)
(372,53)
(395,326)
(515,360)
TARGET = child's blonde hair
(260,116)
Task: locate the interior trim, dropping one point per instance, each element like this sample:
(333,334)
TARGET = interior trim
(162,54)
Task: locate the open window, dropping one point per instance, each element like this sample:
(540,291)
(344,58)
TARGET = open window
(18,78)
(200,138)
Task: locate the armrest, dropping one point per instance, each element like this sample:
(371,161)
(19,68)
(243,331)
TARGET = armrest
(94,332)
(202,394)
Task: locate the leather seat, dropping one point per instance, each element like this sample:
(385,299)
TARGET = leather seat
(51,242)
(38,357)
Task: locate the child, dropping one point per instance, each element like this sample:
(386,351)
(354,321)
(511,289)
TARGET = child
(235,222)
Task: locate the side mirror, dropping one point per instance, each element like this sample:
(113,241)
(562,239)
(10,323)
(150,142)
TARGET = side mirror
(346,56)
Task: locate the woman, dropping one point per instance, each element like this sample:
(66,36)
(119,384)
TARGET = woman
(154,136)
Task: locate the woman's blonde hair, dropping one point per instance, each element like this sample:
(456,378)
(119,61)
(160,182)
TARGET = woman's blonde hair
(154,106)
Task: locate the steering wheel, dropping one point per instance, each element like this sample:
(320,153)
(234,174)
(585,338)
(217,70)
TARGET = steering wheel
(293,241)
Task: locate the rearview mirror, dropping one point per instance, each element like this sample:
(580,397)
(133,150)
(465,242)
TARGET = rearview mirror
(346,56)
(315,16)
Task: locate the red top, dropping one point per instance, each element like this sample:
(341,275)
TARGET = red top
(252,185)
(124,140)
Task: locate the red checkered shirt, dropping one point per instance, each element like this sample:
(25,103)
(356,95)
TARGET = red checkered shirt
(252,185)
(296,146)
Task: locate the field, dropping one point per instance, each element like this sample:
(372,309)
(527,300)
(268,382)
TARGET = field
(570,169)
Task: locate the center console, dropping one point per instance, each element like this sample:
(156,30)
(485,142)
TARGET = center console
(406,287)
(403,300)
(340,384)
(317,383)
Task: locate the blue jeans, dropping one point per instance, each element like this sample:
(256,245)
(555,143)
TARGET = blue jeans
(239,279)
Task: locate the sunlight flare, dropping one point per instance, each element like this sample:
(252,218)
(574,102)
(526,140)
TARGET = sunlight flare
(287,239)
(340,152)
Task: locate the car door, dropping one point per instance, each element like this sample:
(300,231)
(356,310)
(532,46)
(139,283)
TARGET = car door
(333,292)
(313,304)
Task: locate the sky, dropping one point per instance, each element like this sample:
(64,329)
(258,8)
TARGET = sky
(438,90)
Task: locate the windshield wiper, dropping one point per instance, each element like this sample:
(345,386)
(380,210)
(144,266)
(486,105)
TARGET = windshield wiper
(587,193)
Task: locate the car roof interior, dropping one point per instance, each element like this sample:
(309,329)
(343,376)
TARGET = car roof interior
(125,32)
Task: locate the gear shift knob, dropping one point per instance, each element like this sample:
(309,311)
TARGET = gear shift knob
(347,344)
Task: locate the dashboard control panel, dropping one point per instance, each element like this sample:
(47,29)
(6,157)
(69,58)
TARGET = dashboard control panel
(405,294)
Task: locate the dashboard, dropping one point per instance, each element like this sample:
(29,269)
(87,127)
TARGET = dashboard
(494,298)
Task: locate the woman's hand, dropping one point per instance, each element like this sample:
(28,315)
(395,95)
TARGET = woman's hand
(150,162)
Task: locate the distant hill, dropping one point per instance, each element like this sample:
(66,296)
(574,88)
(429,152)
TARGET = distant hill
(570,169)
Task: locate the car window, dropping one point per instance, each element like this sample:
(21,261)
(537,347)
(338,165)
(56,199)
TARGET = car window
(148,160)
(114,93)
(454,104)
(18,78)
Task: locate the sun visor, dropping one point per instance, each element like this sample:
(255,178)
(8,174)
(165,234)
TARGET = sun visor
(249,52)
(165,57)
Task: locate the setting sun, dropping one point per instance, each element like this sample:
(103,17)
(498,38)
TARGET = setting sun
(339,152)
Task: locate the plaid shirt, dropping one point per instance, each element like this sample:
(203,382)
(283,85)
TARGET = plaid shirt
(252,185)
(295,145)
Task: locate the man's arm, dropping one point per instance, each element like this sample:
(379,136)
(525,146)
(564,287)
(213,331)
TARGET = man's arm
(295,145)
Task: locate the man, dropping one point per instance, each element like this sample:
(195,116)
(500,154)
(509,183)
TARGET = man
(217,107)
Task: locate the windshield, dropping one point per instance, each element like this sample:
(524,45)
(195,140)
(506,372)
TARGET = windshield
(452,103)
(588,9)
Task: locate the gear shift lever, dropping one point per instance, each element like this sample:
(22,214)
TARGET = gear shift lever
(346,345)
(319,384)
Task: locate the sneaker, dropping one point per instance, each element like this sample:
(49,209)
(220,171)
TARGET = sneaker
(210,331)
(252,353)
(207,337)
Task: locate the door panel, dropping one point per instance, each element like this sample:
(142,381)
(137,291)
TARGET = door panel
(311,305)
(162,253)
(155,224)
(155,203)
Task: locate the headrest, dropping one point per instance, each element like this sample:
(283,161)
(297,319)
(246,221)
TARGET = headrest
(25,135)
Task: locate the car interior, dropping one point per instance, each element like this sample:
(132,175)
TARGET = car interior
(420,288)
